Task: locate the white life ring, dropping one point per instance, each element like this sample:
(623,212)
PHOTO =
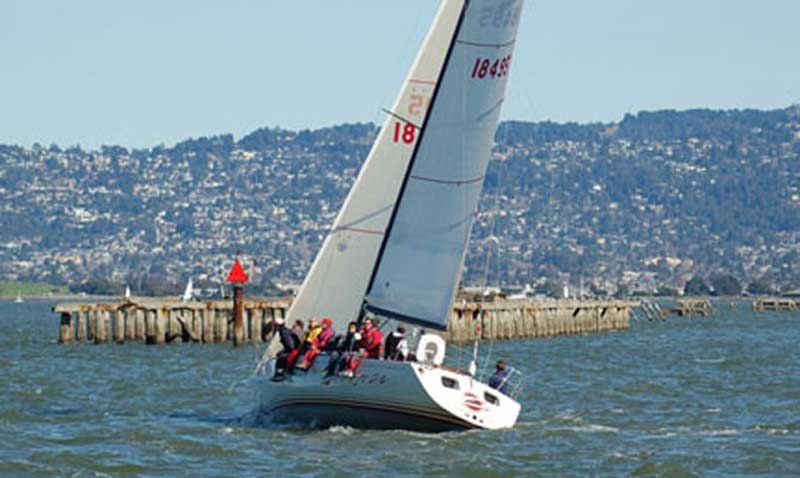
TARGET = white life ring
(430,349)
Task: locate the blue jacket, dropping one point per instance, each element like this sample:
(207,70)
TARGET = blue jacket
(287,340)
(499,381)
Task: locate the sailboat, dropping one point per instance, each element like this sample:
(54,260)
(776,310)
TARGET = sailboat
(19,300)
(188,293)
(396,250)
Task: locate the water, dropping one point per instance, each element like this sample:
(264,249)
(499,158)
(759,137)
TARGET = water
(698,397)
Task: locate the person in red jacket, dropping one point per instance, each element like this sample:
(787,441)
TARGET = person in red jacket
(369,346)
(318,344)
(371,340)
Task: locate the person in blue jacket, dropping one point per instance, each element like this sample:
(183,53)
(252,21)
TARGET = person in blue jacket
(499,380)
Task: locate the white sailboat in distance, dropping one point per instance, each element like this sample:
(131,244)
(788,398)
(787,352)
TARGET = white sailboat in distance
(396,249)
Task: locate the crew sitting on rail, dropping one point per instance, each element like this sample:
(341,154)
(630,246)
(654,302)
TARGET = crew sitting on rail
(298,329)
(396,345)
(345,347)
(319,344)
(289,347)
(314,329)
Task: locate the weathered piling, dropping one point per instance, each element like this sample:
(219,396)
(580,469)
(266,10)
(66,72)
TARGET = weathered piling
(130,324)
(92,317)
(150,327)
(101,326)
(119,326)
(65,332)
(80,322)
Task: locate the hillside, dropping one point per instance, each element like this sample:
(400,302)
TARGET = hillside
(653,199)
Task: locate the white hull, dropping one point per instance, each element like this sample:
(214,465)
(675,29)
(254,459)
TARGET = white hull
(386,395)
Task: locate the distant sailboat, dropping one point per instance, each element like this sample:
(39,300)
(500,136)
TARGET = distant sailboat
(188,293)
(19,300)
(397,247)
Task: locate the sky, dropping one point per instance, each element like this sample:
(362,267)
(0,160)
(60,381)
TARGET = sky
(144,73)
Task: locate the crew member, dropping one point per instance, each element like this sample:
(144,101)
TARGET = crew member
(313,331)
(371,340)
(368,347)
(289,347)
(345,350)
(319,344)
(499,380)
(396,345)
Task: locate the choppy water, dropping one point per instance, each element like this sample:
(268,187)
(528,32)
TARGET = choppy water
(700,397)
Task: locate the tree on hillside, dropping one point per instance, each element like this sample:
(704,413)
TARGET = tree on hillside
(696,286)
(761,286)
(725,284)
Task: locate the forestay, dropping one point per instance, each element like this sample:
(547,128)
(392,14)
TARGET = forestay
(421,260)
(339,276)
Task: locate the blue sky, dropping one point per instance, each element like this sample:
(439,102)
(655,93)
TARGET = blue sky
(142,73)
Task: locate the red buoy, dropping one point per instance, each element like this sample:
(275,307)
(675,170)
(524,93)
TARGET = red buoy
(237,273)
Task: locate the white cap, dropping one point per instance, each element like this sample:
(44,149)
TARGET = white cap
(280,320)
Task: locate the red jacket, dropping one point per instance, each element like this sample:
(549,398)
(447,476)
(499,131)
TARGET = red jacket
(321,340)
(371,341)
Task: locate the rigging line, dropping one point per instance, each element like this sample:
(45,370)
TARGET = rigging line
(397,116)
(410,167)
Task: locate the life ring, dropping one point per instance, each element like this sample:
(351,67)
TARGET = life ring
(430,349)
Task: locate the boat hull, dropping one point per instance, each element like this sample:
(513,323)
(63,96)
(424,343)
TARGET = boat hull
(384,395)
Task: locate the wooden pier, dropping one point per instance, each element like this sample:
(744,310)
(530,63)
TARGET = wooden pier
(162,321)
(692,306)
(159,321)
(775,304)
(517,319)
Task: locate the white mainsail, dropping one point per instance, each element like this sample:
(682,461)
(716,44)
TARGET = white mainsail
(420,263)
(336,283)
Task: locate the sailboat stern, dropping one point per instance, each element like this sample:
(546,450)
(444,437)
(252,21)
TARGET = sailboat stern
(466,398)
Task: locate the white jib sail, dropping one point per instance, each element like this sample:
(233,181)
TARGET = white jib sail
(420,265)
(335,285)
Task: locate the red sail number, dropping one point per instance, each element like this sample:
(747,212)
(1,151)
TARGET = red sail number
(491,67)
(405,132)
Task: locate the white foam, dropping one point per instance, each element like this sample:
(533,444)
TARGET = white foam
(341,429)
(710,360)
(592,428)
(721,432)
(772,430)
